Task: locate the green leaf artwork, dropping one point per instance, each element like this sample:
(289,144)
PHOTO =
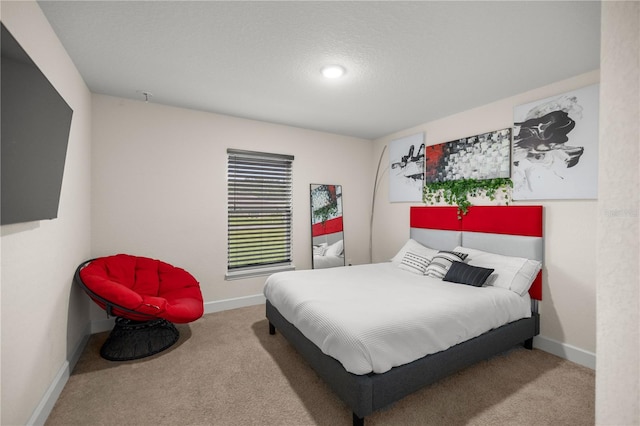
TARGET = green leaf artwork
(457,192)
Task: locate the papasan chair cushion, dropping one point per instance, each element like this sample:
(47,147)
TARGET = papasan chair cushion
(145,287)
(147,296)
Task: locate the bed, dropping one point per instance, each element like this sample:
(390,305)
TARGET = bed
(328,251)
(321,261)
(359,366)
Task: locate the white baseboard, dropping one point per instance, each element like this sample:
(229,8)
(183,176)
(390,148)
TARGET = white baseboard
(566,351)
(106,324)
(238,302)
(42,411)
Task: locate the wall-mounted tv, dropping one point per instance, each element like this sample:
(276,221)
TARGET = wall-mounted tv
(36,122)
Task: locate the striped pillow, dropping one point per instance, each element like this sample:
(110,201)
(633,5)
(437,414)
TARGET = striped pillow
(441,263)
(414,263)
(320,250)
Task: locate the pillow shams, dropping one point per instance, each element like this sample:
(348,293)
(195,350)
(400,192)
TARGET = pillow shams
(414,247)
(441,263)
(513,273)
(462,273)
(335,249)
(526,276)
(320,250)
(414,263)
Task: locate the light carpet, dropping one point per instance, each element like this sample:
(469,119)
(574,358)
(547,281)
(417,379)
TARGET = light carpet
(227,370)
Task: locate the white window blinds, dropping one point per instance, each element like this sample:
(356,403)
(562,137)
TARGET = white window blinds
(259,210)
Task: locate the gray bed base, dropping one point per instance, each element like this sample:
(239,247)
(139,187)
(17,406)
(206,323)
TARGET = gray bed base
(365,394)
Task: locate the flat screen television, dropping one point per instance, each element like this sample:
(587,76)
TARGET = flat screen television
(36,122)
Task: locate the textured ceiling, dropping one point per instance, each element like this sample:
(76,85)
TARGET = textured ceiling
(407,62)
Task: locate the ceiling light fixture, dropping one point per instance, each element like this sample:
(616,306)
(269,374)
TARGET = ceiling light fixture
(333,71)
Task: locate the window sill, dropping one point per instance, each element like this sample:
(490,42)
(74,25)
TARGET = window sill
(258,272)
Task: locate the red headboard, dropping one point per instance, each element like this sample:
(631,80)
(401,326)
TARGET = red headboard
(327,227)
(511,220)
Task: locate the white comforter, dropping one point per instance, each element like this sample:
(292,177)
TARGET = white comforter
(320,262)
(375,317)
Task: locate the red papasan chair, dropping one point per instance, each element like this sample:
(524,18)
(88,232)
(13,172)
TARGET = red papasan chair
(146,296)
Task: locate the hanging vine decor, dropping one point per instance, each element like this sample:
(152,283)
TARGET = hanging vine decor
(324,213)
(457,192)
(324,202)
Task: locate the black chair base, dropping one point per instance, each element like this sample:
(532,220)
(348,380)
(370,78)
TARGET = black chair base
(134,339)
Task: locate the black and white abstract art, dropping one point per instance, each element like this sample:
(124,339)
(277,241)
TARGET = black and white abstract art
(484,156)
(406,169)
(555,147)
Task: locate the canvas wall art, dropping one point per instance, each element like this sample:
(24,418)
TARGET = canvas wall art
(555,147)
(406,169)
(484,156)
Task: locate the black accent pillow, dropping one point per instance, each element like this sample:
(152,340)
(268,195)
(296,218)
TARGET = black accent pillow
(463,273)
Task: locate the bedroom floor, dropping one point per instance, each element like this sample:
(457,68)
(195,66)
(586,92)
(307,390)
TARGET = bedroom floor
(226,369)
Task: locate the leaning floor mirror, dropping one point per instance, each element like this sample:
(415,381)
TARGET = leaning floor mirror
(327,232)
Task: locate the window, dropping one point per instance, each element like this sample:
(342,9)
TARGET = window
(259,213)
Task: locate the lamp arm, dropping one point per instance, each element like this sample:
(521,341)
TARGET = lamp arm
(373,204)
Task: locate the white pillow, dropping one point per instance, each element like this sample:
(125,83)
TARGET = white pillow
(526,276)
(414,247)
(335,249)
(320,250)
(512,273)
(414,263)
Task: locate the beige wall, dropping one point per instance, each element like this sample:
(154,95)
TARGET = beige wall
(44,317)
(155,188)
(568,310)
(159,186)
(618,254)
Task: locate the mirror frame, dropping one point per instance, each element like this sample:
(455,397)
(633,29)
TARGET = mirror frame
(327,225)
